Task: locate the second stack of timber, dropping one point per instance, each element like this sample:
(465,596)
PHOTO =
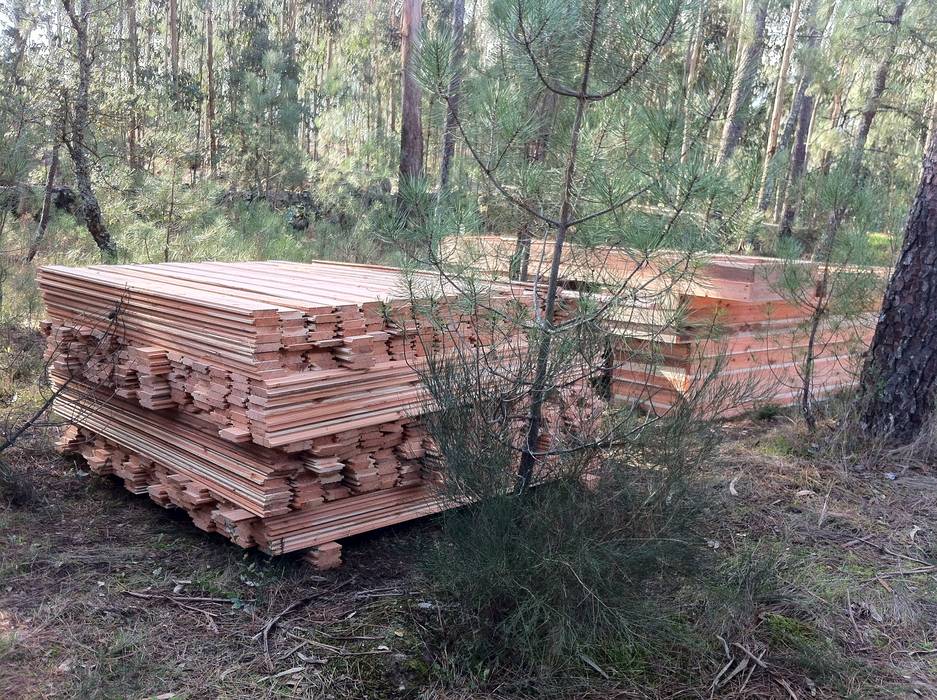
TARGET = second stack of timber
(698,313)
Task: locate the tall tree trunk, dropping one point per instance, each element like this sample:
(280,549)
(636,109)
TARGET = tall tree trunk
(805,105)
(692,75)
(900,373)
(797,167)
(174,42)
(411,128)
(746,68)
(774,124)
(46,204)
(133,64)
(536,153)
(210,106)
(539,388)
(455,94)
(932,120)
(80,123)
(870,110)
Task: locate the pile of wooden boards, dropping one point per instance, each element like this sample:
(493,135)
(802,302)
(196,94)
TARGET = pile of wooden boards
(727,330)
(276,403)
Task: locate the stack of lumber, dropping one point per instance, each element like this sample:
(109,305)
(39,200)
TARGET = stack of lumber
(276,403)
(725,329)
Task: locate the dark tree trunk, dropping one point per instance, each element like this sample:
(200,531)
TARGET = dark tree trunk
(747,65)
(798,166)
(80,123)
(900,372)
(880,81)
(210,104)
(174,42)
(411,128)
(805,104)
(536,153)
(454,93)
(133,64)
(46,205)
(774,124)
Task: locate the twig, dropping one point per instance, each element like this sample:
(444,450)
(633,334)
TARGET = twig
(295,605)
(176,598)
(883,548)
(180,601)
(754,658)
(852,617)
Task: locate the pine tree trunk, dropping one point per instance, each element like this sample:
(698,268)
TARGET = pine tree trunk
(774,125)
(749,60)
(932,120)
(536,153)
(454,94)
(80,125)
(539,388)
(900,372)
(411,129)
(133,64)
(804,105)
(174,42)
(46,205)
(210,72)
(692,75)
(798,167)
(879,82)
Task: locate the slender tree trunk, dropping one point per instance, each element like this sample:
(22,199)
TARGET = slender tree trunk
(805,105)
(455,94)
(798,167)
(774,124)
(900,373)
(46,204)
(539,388)
(747,65)
(80,123)
(210,107)
(174,42)
(133,65)
(932,121)
(836,113)
(536,153)
(692,75)
(879,82)
(411,129)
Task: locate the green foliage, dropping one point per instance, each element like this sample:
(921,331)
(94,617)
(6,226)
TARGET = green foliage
(572,570)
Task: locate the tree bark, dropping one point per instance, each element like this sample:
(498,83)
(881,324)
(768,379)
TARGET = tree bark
(411,129)
(692,75)
(805,108)
(536,153)
(80,123)
(46,205)
(879,82)
(210,105)
(174,42)
(749,60)
(133,65)
(538,390)
(774,124)
(932,119)
(900,373)
(455,94)
(797,167)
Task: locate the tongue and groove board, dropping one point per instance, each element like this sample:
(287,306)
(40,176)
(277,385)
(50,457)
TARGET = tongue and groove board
(727,311)
(276,403)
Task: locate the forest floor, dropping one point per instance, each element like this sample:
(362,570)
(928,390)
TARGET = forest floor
(106,595)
